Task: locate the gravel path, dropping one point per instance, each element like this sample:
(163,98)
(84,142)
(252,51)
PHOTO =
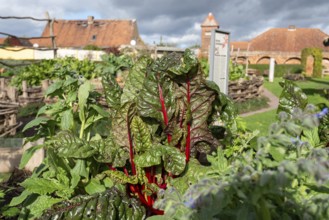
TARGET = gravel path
(273,104)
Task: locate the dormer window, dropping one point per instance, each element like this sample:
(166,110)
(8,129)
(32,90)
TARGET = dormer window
(93,37)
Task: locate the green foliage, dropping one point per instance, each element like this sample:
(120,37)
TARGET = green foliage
(280,69)
(236,71)
(29,110)
(316,53)
(91,47)
(114,65)
(111,204)
(55,69)
(280,175)
(291,97)
(204,66)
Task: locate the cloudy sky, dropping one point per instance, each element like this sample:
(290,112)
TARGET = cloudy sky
(175,21)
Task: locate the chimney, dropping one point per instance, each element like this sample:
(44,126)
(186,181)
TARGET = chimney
(90,19)
(291,28)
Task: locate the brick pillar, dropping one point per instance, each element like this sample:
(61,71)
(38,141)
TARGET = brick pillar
(207,26)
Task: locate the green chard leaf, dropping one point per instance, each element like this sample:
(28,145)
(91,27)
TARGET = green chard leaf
(291,97)
(141,135)
(112,92)
(156,98)
(121,124)
(135,79)
(67,145)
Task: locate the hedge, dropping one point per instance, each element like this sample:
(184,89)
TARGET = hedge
(279,69)
(317,55)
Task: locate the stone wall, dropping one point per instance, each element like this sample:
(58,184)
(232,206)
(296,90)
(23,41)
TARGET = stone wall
(244,89)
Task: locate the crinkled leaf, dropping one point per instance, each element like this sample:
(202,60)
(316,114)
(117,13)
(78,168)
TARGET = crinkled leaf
(197,99)
(120,124)
(118,176)
(112,92)
(157,97)
(42,203)
(141,135)
(194,171)
(110,152)
(174,160)
(291,97)
(189,64)
(111,204)
(150,157)
(40,185)
(135,79)
(67,145)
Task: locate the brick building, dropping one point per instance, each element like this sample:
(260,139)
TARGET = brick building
(101,33)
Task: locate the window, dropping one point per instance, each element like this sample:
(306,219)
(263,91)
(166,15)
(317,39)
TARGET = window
(93,37)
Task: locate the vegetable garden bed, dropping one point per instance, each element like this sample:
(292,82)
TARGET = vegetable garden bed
(170,147)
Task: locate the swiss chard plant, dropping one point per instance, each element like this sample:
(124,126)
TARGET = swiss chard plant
(160,126)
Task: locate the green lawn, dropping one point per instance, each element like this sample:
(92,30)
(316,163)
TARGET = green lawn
(312,87)
(260,121)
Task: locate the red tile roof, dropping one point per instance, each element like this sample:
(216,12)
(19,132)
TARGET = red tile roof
(242,45)
(288,39)
(101,33)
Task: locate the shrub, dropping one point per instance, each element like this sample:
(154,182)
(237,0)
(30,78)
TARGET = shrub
(317,55)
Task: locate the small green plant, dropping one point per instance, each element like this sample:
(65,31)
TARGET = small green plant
(236,71)
(204,66)
(91,47)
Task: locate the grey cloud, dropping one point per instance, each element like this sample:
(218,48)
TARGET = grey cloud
(175,20)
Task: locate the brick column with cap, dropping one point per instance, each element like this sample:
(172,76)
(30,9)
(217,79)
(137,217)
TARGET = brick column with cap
(207,26)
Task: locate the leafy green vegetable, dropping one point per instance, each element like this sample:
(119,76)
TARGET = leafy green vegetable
(110,204)
(291,97)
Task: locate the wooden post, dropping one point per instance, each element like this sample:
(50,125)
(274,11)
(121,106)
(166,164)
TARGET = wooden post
(2,88)
(24,88)
(247,61)
(2,83)
(12,93)
(13,122)
(51,33)
(44,85)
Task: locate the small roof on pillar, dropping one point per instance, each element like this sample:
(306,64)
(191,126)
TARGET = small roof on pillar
(210,21)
